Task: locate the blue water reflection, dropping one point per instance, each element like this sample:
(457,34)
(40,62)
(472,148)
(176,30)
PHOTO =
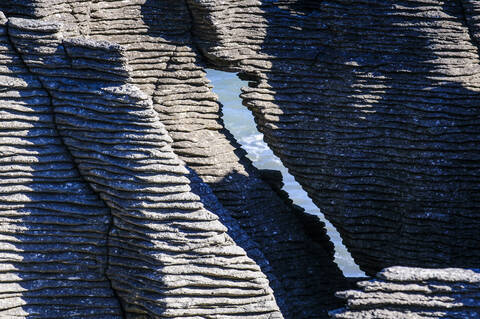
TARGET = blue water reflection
(239,120)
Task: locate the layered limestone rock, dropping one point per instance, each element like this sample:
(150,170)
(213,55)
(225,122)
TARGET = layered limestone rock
(471,11)
(374,108)
(132,215)
(53,226)
(74,15)
(166,66)
(164,63)
(372,105)
(419,293)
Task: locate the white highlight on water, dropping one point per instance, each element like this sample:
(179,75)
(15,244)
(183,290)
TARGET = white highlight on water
(239,121)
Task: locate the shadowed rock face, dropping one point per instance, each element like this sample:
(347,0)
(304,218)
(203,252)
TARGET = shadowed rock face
(53,226)
(374,108)
(401,293)
(105,150)
(131,223)
(164,64)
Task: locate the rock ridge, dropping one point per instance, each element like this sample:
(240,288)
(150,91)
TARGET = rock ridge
(118,143)
(420,293)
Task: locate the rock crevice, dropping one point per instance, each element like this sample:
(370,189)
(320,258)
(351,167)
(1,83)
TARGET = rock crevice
(373,107)
(168,256)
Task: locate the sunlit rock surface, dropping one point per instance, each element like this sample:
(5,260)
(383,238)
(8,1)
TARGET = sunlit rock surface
(107,149)
(164,63)
(420,293)
(128,237)
(374,108)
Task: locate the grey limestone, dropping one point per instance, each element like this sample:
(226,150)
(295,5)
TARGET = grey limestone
(416,293)
(99,217)
(162,60)
(374,108)
(123,195)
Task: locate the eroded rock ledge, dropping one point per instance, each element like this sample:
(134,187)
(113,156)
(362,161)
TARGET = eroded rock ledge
(101,219)
(123,195)
(415,293)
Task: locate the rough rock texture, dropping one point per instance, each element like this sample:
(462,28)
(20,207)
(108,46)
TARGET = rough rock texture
(165,65)
(415,293)
(374,108)
(471,11)
(74,15)
(168,256)
(53,227)
(372,105)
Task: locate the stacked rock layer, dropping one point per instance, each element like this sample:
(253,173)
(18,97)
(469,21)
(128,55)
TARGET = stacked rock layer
(53,226)
(419,293)
(372,105)
(164,253)
(374,108)
(165,65)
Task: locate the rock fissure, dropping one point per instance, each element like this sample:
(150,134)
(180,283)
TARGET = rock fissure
(365,113)
(371,104)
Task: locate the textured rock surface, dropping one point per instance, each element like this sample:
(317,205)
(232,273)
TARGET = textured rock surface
(53,227)
(168,256)
(417,293)
(374,108)
(165,65)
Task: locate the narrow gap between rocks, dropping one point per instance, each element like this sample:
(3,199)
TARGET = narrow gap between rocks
(239,121)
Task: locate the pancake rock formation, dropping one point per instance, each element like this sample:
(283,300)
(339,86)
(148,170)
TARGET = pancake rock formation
(420,293)
(122,194)
(53,225)
(104,222)
(162,61)
(373,106)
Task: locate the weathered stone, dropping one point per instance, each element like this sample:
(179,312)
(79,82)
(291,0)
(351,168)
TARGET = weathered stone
(130,228)
(419,293)
(373,107)
(53,226)
(164,63)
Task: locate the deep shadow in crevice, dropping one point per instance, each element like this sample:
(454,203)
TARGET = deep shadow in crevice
(270,221)
(379,125)
(240,122)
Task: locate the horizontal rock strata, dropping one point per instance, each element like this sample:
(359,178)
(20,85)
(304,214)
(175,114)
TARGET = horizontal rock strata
(168,255)
(373,107)
(401,293)
(53,226)
(165,65)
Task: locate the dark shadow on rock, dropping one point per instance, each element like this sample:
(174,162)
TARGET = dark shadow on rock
(283,233)
(53,226)
(376,114)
